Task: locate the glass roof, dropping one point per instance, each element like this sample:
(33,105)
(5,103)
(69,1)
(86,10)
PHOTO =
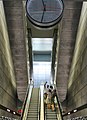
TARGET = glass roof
(42,44)
(42,50)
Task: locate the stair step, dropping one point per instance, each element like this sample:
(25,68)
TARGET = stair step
(33,105)
(31,118)
(32,112)
(33,109)
(51,119)
(50,115)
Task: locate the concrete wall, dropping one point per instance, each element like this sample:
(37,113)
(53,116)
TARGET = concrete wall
(77,85)
(8,94)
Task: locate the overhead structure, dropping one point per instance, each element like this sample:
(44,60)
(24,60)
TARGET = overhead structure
(44,14)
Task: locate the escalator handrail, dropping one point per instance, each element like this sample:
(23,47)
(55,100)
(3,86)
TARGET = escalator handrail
(58,101)
(42,102)
(24,104)
(59,106)
(25,101)
(39,103)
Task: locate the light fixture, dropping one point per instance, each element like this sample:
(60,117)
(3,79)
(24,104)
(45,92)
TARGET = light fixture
(8,110)
(74,110)
(68,113)
(14,113)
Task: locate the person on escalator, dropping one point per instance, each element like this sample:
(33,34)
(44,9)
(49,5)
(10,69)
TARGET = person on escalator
(45,85)
(54,94)
(51,88)
(46,88)
(49,93)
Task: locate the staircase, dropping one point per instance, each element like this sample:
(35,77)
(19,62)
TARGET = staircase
(33,107)
(50,115)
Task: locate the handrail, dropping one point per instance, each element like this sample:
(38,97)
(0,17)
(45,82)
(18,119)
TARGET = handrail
(60,110)
(23,107)
(39,106)
(59,104)
(9,110)
(26,102)
(42,103)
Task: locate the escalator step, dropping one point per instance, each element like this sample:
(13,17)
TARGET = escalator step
(33,109)
(33,106)
(50,119)
(51,116)
(32,113)
(32,119)
(50,112)
(31,116)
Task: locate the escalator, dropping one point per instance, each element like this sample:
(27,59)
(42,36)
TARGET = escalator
(53,114)
(50,115)
(33,110)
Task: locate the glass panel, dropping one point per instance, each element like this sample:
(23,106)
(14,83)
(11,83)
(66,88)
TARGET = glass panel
(42,48)
(42,57)
(42,44)
(41,73)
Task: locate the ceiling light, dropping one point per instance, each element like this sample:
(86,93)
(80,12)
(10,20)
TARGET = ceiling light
(74,110)
(8,110)
(68,113)
(14,113)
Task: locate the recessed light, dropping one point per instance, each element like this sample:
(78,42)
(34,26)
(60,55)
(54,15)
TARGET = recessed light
(74,110)
(8,110)
(68,113)
(14,113)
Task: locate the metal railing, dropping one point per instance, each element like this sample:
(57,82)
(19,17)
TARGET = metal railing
(58,108)
(39,104)
(26,103)
(42,102)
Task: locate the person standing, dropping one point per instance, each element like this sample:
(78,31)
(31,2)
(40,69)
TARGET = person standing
(54,94)
(49,94)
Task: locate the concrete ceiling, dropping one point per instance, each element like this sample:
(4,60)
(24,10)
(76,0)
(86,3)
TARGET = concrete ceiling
(69,25)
